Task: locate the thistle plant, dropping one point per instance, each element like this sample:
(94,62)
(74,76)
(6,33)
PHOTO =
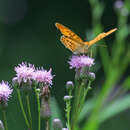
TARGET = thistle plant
(86,108)
(23,80)
(29,78)
(82,65)
(5,93)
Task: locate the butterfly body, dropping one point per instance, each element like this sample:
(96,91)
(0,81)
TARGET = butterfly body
(74,43)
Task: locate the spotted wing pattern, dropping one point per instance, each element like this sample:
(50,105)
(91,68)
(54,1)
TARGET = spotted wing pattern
(68,33)
(99,37)
(70,43)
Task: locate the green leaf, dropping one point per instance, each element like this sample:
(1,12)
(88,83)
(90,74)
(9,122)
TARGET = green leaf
(115,108)
(126,83)
(109,111)
(55,110)
(86,109)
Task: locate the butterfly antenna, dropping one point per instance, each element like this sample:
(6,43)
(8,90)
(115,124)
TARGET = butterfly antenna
(101,45)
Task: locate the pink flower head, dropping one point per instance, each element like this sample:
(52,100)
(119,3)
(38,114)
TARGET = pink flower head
(43,76)
(5,91)
(24,72)
(80,61)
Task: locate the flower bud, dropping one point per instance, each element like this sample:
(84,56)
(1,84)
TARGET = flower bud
(67,98)
(45,111)
(15,81)
(83,72)
(57,125)
(38,90)
(65,129)
(1,125)
(69,85)
(91,76)
(3,105)
(45,93)
(26,88)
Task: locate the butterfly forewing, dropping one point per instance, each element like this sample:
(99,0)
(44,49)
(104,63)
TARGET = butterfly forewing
(67,32)
(100,36)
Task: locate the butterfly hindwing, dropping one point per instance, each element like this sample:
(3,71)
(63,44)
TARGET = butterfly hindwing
(69,43)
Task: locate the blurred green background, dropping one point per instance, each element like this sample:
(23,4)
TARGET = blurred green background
(28,33)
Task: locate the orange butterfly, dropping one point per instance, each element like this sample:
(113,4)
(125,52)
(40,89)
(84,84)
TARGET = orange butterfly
(74,43)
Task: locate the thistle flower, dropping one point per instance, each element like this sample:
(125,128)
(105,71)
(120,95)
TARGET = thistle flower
(80,61)
(24,72)
(118,4)
(5,91)
(43,76)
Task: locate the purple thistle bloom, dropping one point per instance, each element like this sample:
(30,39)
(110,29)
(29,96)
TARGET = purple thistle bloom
(80,61)
(5,91)
(43,76)
(24,72)
(118,4)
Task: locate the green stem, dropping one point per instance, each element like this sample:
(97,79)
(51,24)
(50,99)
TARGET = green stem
(74,106)
(87,89)
(84,95)
(68,109)
(78,93)
(68,114)
(22,108)
(29,109)
(93,122)
(38,105)
(47,124)
(4,119)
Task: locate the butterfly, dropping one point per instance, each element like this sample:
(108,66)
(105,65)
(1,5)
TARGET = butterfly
(74,43)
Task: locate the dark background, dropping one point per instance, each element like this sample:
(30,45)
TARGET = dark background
(28,33)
